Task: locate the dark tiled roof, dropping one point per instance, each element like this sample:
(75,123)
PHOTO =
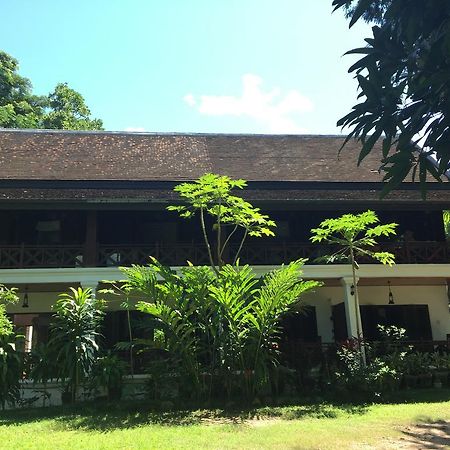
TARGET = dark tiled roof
(62,166)
(56,155)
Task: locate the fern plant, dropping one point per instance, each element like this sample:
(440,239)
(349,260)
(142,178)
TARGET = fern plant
(225,327)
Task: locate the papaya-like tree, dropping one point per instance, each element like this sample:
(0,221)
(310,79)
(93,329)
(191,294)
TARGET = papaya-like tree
(353,236)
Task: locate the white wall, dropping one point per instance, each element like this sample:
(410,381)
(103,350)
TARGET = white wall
(434,296)
(322,298)
(40,302)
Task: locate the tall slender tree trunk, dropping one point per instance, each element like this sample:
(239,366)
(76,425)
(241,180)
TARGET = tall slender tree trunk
(359,333)
(236,257)
(130,336)
(205,237)
(219,237)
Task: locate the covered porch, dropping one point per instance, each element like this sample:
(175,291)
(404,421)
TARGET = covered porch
(419,301)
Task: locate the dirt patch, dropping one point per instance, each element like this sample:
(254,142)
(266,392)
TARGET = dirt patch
(261,422)
(238,421)
(423,436)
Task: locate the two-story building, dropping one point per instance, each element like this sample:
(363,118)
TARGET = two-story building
(76,205)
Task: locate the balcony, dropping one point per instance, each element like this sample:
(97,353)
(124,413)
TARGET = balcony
(52,256)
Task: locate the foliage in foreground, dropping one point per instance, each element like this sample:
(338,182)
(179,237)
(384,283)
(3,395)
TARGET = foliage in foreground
(404,82)
(74,336)
(212,195)
(354,236)
(221,332)
(10,361)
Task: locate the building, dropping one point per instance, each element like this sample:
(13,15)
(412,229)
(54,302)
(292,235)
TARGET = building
(75,205)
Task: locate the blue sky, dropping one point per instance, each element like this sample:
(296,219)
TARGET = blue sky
(243,66)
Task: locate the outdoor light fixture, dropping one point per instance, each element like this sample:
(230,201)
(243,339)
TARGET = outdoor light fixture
(391,295)
(25,298)
(352,289)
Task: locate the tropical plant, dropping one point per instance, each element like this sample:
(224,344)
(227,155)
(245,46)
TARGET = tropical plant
(108,372)
(74,335)
(7,296)
(10,369)
(211,195)
(225,327)
(354,235)
(374,375)
(43,366)
(10,357)
(181,307)
(446,218)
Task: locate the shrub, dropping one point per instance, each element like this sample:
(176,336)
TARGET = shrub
(74,335)
(223,330)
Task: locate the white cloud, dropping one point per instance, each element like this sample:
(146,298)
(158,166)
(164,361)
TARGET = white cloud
(189,99)
(276,112)
(137,129)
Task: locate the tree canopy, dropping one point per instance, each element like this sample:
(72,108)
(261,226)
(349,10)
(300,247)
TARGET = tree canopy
(211,194)
(404,83)
(64,108)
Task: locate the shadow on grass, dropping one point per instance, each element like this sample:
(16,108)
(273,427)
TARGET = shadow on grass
(428,434)
(122,415)
(107,417)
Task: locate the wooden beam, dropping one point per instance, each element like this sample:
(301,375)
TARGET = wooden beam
(90,246)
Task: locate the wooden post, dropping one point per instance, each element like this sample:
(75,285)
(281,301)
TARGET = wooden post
(90,245)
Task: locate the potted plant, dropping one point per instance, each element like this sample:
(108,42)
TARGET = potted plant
(439,366)
(425,374)
(417,370)
(42,368)
(411,370)
(10,370)
(108,373)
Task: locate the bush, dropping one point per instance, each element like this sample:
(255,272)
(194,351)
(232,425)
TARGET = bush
(108,372)
(222,331)
(74,335)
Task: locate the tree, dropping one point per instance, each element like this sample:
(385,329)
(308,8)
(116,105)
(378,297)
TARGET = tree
(212,195)
(19,108)
(67,110)
(354,235)
(404,81)
(220,325)
(63,109)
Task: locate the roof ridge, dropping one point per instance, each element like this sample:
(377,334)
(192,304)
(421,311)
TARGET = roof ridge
(160,133)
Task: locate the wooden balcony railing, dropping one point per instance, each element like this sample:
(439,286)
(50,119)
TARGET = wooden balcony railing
(28,256)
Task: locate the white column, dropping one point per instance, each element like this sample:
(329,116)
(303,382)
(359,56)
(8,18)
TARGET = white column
(90,284)
(352,315)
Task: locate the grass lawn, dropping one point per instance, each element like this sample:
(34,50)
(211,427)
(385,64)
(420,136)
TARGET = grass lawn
(405,423)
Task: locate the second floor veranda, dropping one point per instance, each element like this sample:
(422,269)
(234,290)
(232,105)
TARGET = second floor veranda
(109,255)
(102,238)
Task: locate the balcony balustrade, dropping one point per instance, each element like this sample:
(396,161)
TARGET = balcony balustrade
(33,256)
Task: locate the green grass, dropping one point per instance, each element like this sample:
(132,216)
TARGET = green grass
(320,425)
